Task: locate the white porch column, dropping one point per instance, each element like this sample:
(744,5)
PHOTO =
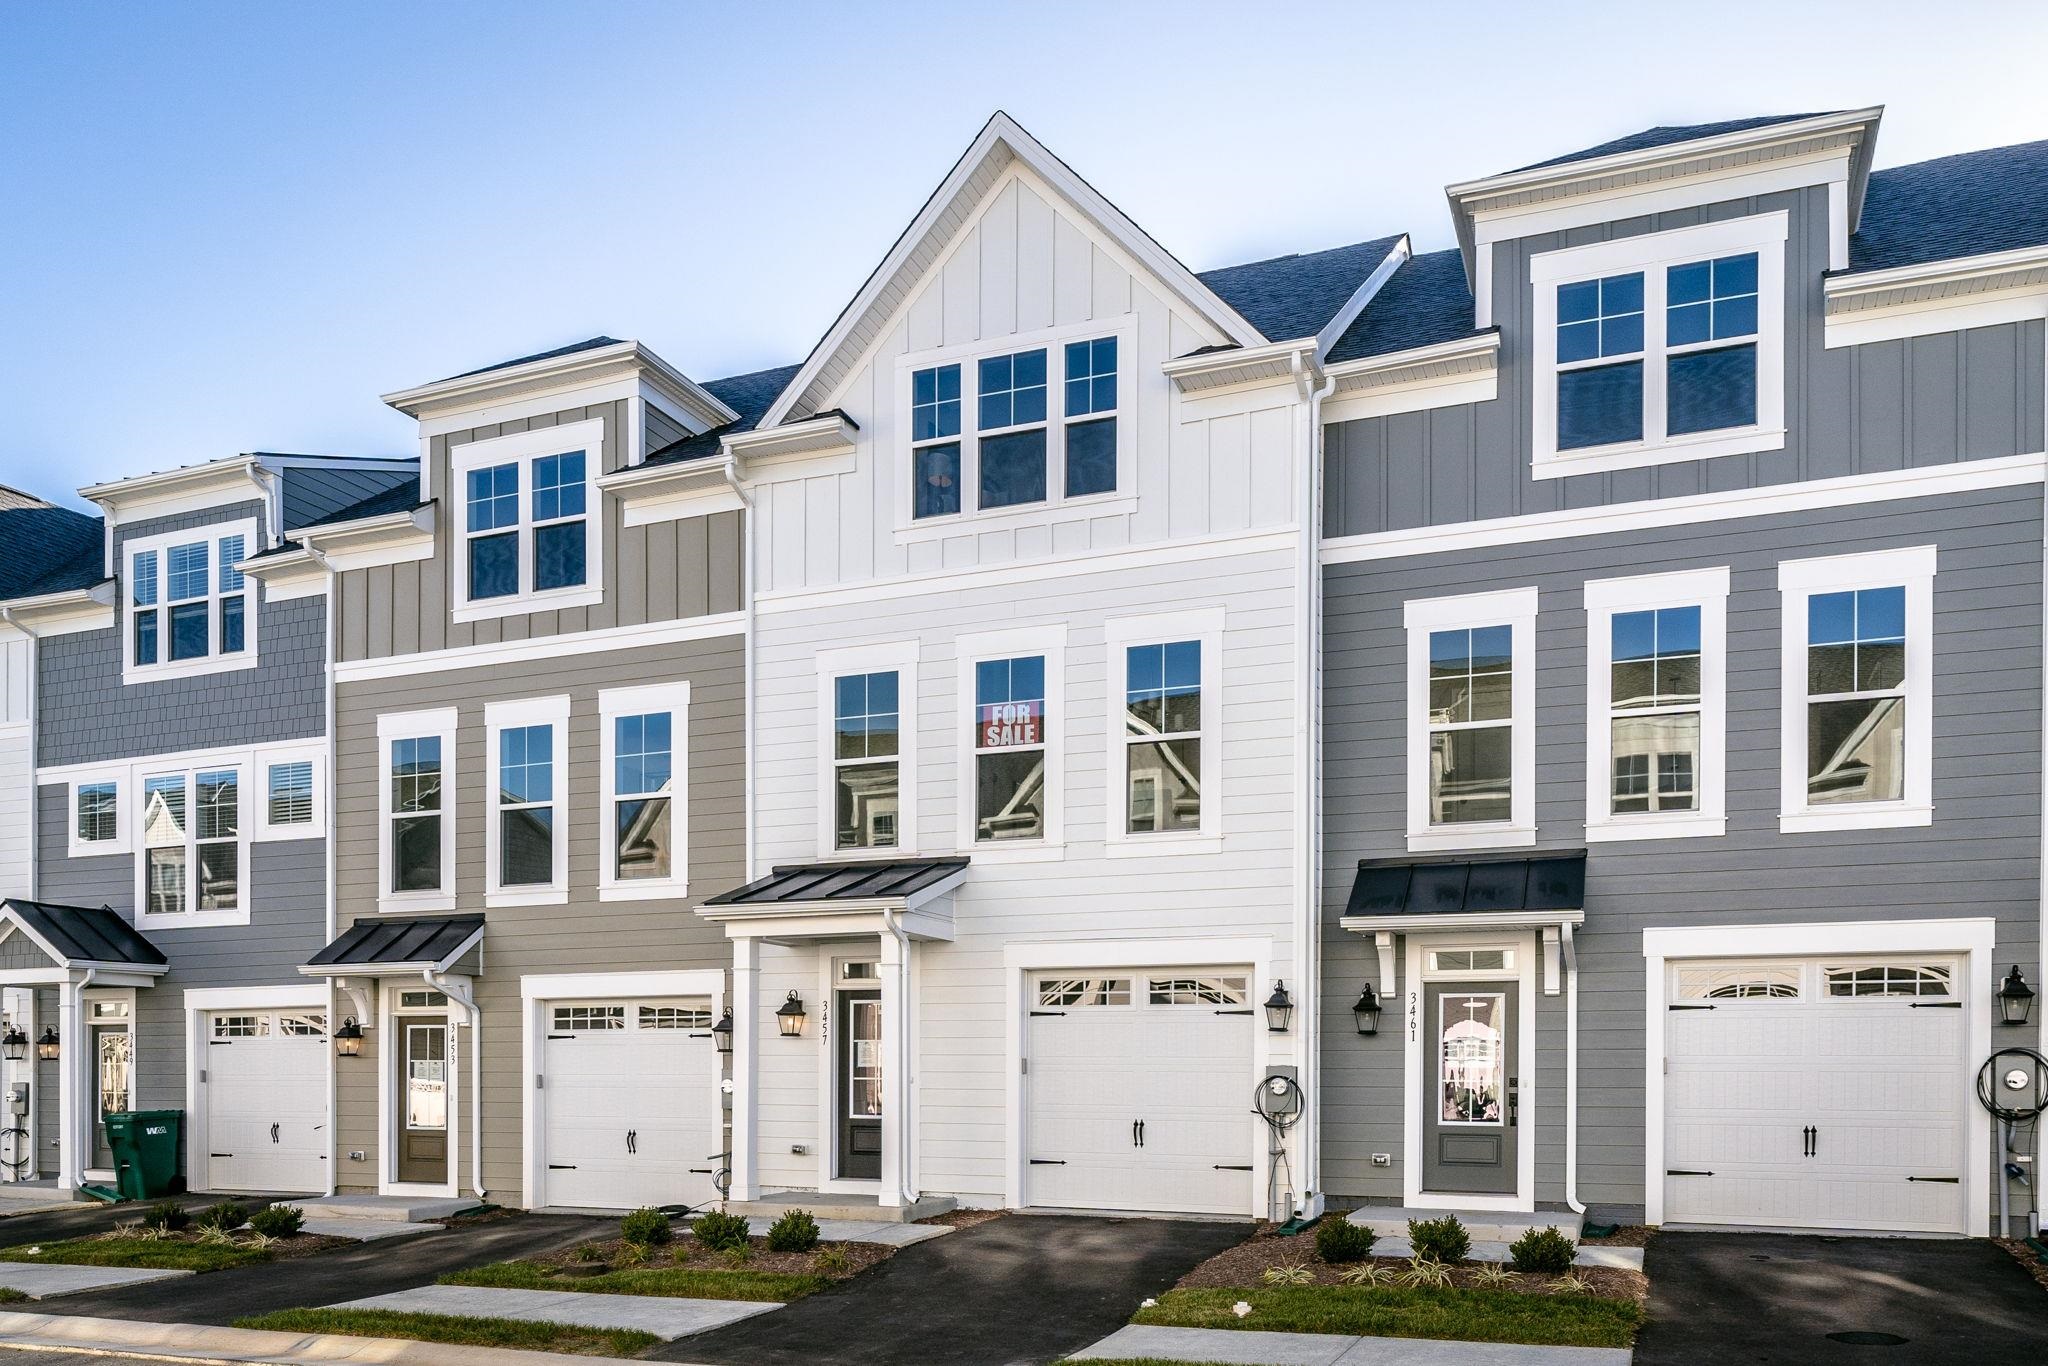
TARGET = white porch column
(74,1112)
(897,1109)
(746,1052)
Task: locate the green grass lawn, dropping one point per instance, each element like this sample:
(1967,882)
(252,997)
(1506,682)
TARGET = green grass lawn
(690,1283)
(9,1295)
(155,1253)
(1458,1315)
(393,1323)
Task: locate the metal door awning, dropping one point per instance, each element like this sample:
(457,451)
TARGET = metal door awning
(56,939)
(1543,892)
(389,947)
(822,900)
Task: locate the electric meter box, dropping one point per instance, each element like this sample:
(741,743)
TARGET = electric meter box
(1282,1099)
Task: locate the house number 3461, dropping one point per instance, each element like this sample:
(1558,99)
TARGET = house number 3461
(1414,1015)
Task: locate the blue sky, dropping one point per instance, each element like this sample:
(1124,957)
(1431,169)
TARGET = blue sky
(230,227)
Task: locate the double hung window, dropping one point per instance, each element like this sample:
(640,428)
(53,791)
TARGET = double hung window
(192,844)
(416,797)
(1009,738)
(1011,425)
(1471,697)
(529,525)
(95,815)
(935,441)
(189,608)
(1161,763)
(645,811)
(526,854)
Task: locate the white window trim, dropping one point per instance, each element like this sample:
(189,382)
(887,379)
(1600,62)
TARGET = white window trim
(1651,253)
(193,918)
(970,518)
(1514,608)
(1911,568)
(1706,589)
(525,448)
(213,662)
(121,843)
(1050,642)
(316,827)
(612,703)
(900,658)
(499,716)
(1120,634)
(416,725)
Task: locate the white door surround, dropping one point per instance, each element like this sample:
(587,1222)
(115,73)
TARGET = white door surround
(1971,941)
(1524,948)
(392,1016)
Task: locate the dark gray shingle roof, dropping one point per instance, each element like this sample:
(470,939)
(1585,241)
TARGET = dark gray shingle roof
(415,939)
(45,549)
(1287,297)
(806,882)
(1664,136)
(1426,302)
(1991,200)
(587,344)
(403,496)
(87,934)
(750,395)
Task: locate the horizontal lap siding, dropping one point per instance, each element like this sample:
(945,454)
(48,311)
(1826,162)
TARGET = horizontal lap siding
(585,935)
(1980,857)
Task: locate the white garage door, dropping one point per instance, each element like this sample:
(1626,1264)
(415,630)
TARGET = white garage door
(1816,1093)
(266,1101)
(631,1115)
(1139,1091)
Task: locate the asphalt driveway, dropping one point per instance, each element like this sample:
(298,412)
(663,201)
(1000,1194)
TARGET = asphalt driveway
(1027,1288)
(1761,1299)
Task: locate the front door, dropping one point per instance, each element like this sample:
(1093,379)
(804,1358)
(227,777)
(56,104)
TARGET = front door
(423,1103)
(860,1085)
(1470,1125)
(112,1079)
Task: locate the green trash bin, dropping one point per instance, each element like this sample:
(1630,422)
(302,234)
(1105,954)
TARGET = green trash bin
(149,1152)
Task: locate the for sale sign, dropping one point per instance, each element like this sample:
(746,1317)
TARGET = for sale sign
(1008,725)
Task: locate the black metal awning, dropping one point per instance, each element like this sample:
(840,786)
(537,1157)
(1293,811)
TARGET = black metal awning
(1546,884)
(84,936)
(410,944)
(841,884)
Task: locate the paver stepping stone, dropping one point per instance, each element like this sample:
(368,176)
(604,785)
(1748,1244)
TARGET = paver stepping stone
(665,1316)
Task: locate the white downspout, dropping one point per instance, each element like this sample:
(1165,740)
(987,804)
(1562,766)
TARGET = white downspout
(1571,1072)
(731,472)
(73,1090)
(462,996)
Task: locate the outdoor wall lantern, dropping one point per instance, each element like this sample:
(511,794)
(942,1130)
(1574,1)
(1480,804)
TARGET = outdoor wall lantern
(13,1044)
(790,1015)
(721,1033)
(2015,998)
(1366,1010)
(348,1040)
(1279,1008)
(46,1047)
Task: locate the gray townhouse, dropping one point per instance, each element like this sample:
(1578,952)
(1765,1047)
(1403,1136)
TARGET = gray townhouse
(172,719)
(1683,686)
(538,669)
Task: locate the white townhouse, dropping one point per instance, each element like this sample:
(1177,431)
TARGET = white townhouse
(1031,684)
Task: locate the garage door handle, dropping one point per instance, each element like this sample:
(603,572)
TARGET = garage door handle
(1806,1141)
(632,1140)
(1937,1180)
(273,1133)
(1681,1171)
(1048,1162)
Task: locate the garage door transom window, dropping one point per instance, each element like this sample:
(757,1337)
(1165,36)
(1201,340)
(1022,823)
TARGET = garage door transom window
(1084,991)
(674,1017)
(1196,991)
(1889,979)
(579,1019)
(1739,981)
(241,1026)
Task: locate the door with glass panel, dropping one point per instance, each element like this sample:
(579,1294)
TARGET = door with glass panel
(113,1054)
(1470,1125)
(860,1085)
(423,1080)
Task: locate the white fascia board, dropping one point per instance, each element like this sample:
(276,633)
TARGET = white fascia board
(565,372)
(286,575)
(1936,296)
(1002,135)
(671,492)
(63,614)
(1341,323)
(827,433)
(1239,365)
(390,538)
(235,478)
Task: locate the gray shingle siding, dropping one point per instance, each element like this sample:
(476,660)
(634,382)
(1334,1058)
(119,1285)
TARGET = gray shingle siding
(1980,857)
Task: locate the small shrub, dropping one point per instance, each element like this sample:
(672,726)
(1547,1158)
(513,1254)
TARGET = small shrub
(1544,1250)
(645,1228)
(793,1231)
(737,1257)
(278,1221)
(1297,1274)
(166,1215)
(720,1231)
(1440,1240)
(227,1214)
(1340,1240)
(832,1261)
(1366,1273)
(1424,1272)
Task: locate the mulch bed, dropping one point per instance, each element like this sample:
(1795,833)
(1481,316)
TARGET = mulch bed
(298,1245)
(1628,1235)
(1246,1264)
(2028,1258)
(964,1218)
(686,1251)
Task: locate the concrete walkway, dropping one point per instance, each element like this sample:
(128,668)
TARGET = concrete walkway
(1244,1348)
(1487,1250)
(668,1317)
(41,1280)
(22,1333)
(854,1231)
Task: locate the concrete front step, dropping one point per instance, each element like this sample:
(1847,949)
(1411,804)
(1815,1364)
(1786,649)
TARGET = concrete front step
(853,1209)
(401,1209)
(1489,1226)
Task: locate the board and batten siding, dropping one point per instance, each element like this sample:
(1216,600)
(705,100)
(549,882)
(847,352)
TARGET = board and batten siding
(665,571)
(1024,263)
(1861,409)
(1245,890)
(586,934)
(1979,857)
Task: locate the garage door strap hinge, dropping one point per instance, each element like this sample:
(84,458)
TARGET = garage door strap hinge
(220,1154)
(1048,1162)
(1937,1005)
(1048,1012)
(561,1166)
(1938,1180)
(1682,1171)
(1233,1167)
(1233,1012)
(1689,1007)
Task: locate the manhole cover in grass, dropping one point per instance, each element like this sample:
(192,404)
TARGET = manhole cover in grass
(1860,1339)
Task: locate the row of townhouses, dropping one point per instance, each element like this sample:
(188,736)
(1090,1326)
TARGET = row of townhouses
(1550,724)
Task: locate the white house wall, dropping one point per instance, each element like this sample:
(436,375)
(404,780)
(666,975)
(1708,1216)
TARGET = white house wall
(17,768)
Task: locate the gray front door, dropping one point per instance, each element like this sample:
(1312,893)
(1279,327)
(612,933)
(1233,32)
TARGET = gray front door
(1470,1128)
(423,1102)
(860,1084)
(113,1049)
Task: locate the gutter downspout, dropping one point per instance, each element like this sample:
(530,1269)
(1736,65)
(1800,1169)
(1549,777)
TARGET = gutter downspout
(1308,620)
(75,1145)
(1571,1072)
(331,891)
(462,996)
(731,472)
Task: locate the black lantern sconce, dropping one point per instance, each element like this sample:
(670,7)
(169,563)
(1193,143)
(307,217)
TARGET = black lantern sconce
(348,1040)
(1279,1009)
(46,1047)
(790,1016)
(721,1033)
(13,1044)
(2015,998)
(1366,1011)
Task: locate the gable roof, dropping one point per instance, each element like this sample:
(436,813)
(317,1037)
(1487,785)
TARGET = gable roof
(1665,135)
(749,395)
(1965,205)
(1426,302)
(1289,297)
(46,549)
(84,934)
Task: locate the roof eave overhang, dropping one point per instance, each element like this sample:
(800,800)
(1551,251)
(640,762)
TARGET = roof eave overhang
(1462,920)
(1241,365)
(1977,274)
(672,492)
(126,497)
(387,538)
(1466,355)
(75,609)
(832,433)
(578,367)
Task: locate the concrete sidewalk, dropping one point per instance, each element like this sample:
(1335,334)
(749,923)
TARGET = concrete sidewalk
(200,1343)
(1235,1347)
